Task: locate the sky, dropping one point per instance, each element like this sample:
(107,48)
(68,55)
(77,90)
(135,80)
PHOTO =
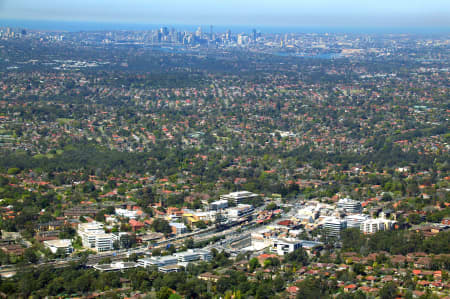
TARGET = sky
(358,13)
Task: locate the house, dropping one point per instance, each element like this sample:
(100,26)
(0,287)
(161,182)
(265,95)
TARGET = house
(262,257)
(292,290)
(423,262)
(350,288)
(207,276)
(14,249)
(136,225)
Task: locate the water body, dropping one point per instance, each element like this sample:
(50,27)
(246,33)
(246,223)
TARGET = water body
(306,55)
(74,26)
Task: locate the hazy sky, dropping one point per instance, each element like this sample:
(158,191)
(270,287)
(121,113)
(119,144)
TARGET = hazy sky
(375,13)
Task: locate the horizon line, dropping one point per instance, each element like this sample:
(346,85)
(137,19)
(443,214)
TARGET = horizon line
(334,28)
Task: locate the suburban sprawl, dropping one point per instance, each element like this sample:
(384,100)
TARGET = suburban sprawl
(176,164)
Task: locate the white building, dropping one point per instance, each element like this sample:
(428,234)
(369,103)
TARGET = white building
(354,221)
(238,196)
(93,236)
(127,213)
(193,255)
(333,226)
(178,228)
(64,244)
(239,211)
(349,205)
(116,266)
(218,205)
(170,268)
(159,261)
(259,241)
(104,242)
(308,214)
(284,246)
(372,226)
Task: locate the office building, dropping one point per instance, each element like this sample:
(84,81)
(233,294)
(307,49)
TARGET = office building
(285,246)
(239,196)
(218,205)
(240,210)
(64,245)
(349,205)
(372,226)
(333,226)
(93,236)
(354,221)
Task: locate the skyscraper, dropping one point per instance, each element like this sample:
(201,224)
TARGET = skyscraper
(198,33)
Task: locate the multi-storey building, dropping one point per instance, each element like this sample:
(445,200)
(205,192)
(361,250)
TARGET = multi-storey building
(372,226)
(349,205)
(354,221)
(93,236)
(333,226)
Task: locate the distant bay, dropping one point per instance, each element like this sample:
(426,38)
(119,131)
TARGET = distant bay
(73,26)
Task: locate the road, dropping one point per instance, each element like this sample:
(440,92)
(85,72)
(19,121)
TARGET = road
(232,235)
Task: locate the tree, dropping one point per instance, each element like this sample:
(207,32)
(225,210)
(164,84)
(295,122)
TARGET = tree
(161,226)
(388,291)
(359,269)
(30,256)
(201,224)
(414,218)
(254,263)
(352,239)
(314,288)
(298,256)
(156,252)
(13,170)
(386,197)
(271,262)
(100,216)
(105,260)
(189,243)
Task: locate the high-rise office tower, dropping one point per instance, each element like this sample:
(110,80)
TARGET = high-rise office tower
(198,33)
